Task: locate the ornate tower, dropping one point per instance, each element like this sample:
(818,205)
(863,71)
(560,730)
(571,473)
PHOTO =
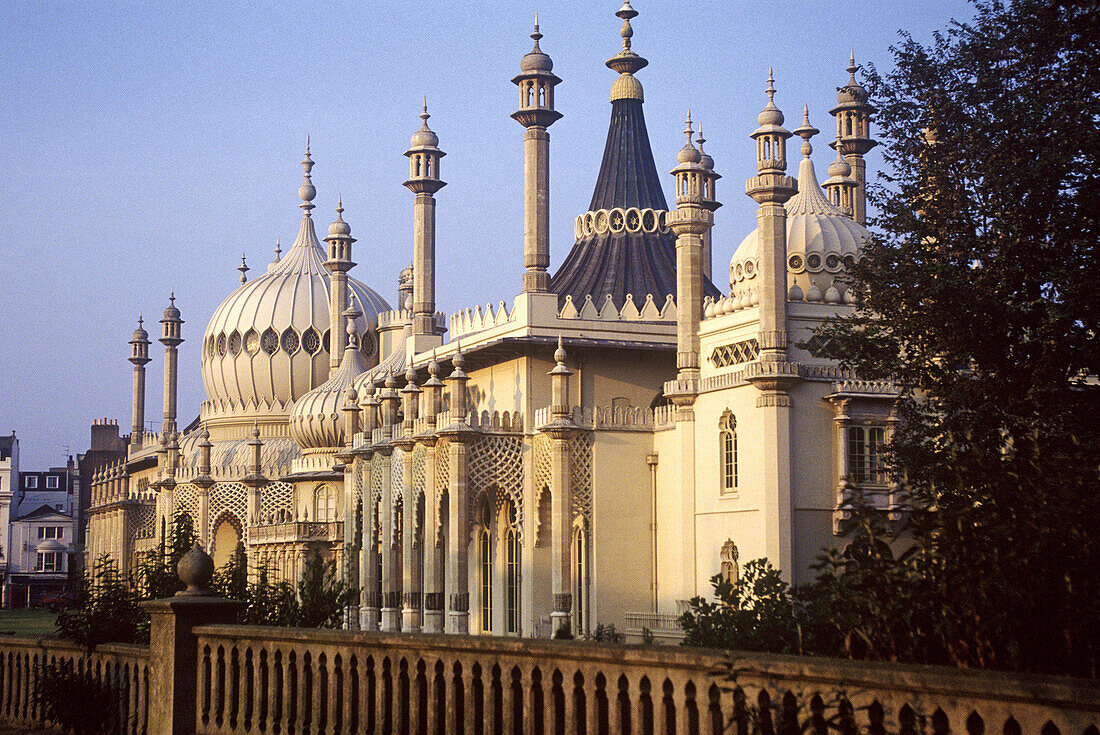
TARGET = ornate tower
(691,220)
(424,181)
(139,356)
(853,130)
(339,262)
(840,185)
(171,339)
(771,187)
(536,113)
(710,203)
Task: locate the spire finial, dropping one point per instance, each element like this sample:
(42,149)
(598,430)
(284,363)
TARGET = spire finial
(687,130)
(339,206)
(243,268)
(172,297)
(307,191)
(852,66)
(771,87)
(626,13)
(140,320)
(278,250)
(700,139)
(535,35)
(806,131)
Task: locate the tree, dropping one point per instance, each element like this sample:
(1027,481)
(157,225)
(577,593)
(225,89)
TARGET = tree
(232,579)
(980,303)
(105,610)
(322,596)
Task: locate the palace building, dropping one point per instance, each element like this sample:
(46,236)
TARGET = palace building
(592,452)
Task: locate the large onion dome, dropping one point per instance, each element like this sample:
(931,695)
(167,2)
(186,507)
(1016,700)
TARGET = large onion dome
(317,420)
(822,242)
(268,343)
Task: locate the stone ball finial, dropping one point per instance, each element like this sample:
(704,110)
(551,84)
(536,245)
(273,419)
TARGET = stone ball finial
(410,375)
(196,569)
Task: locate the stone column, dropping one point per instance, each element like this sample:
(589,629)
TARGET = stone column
(430,549)
(410,551)
(391,559)
(173,660)
(458,534)
(139,356)
(561,430)
(368,557)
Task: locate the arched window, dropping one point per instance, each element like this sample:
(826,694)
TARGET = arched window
(580,564)
(485,569)
(727,446)
(730,570)
(324,504)
(511,581)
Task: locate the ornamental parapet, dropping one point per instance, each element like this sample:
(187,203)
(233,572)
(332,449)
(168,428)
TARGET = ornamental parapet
(631,220)
(294,531)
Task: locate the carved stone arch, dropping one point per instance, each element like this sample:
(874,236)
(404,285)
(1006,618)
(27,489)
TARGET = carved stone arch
(218,539)
(729,568)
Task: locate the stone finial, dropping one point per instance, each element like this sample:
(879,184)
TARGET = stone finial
(195,569)
(306,192)
(806,131)
(278,250)
(243,268)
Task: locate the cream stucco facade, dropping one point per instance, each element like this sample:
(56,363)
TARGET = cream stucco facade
(592,452)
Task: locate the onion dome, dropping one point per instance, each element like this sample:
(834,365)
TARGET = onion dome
(852,92)
(171,313)
(317,421)
(770,115)
(688,154)
(820,237)
(839,168)
(424,137)
(140,335)
(268,343)
(339,228)
(535,59)
(704,159)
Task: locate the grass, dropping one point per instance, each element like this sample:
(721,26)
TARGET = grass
(28,623)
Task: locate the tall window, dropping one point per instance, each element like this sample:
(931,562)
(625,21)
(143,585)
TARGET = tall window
(511,581)
(48,561)
(865,454)
(485,567)
(579,565)
(30,482)
(324,504)
(727,441)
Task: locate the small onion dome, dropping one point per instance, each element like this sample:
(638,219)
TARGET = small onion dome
(839,168)
(140,335)
(535,59)
(795,292)
(316,421)
(339,228)
(832,295)
(814,294)
(853,91)
(424,137)
(770,115)
(704,159)
(171,313)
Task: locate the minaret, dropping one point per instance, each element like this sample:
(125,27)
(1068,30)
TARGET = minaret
(338,264)
(771,187)
(139,356)
(853,130)
(709,202)
(690,221)
(424,181)
(171,340)
(840,185)
(536,112)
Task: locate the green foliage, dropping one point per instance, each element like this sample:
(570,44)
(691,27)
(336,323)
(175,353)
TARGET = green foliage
(105,610)
(979,303)
(647,637)
(231,580)
(564,632)
(754,613)
(270,603)
(75,700)
(606,633)
(323,597)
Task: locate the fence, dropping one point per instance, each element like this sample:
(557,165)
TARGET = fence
(266,680)
(122,668)
(203,676)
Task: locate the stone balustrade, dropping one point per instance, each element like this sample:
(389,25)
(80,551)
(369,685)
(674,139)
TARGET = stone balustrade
(124,668)
(297,531)
(262,680)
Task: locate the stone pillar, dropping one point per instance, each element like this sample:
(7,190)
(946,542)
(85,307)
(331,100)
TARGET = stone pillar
(424,157)
(139,356)
(431,550)
(458,534)
(391,553)
(560,430)
(368,556)
(173,653)
(411,570)
(171,340)
(536,113)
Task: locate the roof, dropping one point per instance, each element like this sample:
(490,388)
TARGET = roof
(41,512)
(636,261)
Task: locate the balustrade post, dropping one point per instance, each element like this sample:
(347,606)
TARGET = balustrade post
(172,647)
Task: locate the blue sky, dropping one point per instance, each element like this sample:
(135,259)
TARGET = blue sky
(149,146)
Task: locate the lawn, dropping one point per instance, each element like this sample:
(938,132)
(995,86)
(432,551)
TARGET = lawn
(27,623)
